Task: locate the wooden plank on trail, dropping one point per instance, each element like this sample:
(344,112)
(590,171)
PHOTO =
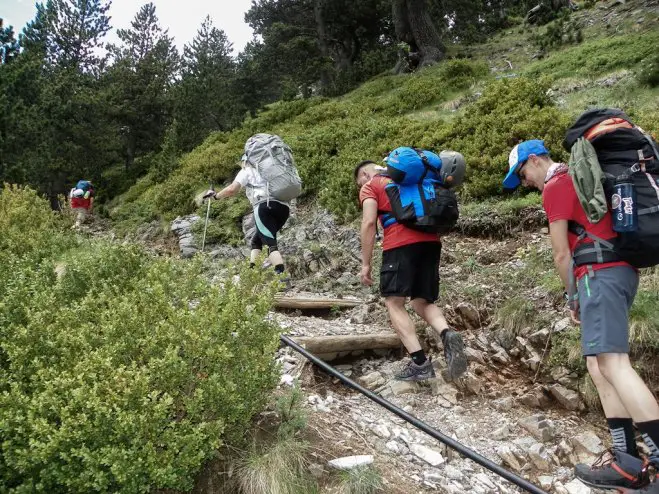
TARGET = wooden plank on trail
(315,303)
(347,343)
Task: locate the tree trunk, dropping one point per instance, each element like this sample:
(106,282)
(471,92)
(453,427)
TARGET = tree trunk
(348,343)
(425,33)
(321,31)
(315,303)
(415,27)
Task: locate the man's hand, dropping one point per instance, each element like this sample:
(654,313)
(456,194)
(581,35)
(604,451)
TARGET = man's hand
(366,275)
(574,314)
(209,194)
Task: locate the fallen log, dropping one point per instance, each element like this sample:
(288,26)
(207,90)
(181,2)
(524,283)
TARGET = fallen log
(348,343)
(315,303)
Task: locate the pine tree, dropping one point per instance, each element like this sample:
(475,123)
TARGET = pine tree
(142,76)
(205,99)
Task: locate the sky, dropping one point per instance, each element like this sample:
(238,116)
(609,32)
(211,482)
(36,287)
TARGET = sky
(182,18)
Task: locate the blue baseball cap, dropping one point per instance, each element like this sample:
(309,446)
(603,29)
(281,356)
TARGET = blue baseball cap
(518,157)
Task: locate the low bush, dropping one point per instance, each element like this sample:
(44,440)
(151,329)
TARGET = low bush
(120,372)
(648,72)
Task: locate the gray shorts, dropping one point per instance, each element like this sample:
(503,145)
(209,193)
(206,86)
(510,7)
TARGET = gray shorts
(604,301)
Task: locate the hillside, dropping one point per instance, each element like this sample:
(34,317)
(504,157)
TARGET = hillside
(481,102)
(133,363)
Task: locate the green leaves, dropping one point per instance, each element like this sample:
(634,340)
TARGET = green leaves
(121,372)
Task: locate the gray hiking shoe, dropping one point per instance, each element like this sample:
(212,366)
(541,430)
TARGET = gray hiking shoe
(651,488)
(454,353)
(413,372)
(614,470)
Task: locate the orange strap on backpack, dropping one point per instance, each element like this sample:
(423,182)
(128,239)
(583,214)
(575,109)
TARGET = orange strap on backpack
(607,126)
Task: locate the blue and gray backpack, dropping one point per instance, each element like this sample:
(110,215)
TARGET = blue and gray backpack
(420,194)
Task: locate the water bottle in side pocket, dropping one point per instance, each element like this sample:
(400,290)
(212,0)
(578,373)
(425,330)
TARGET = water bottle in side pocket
(623,206)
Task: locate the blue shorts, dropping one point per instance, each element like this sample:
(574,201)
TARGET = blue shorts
(605,297)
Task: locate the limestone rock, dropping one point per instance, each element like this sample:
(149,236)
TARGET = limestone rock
(587,443)
(539,457)
(372,380)
(474,355)
(501,433)
(403,387)
(576,487)
(539,427)
(430,456)
(535,399)
(508,454)
(469,314)
(546,481)
(566,397)
(350,462)
(504,404)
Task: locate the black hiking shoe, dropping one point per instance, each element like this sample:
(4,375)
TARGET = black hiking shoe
(614,470)
(413,372)
(454,353)
(651,488)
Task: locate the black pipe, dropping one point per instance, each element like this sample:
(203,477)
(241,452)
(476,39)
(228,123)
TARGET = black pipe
(463,450)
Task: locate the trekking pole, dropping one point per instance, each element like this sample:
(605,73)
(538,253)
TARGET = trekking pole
(208,211)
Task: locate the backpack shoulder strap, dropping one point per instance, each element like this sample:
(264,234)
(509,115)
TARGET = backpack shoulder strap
(653,144)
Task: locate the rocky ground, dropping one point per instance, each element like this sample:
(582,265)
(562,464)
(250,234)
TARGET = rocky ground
(511,407)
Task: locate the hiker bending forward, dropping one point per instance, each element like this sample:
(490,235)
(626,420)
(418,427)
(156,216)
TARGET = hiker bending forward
(270,214)
(410,268)
(605,294)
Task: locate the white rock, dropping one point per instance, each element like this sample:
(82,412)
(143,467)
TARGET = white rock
(546,482)
(380,430)
(576,487)
(394,447)
(588,443)
(539,457)
(287,379)
(433,476)
(350,462)
(566,397)
(452,473)
(427,454)
(501,433)
(507,454)
(485,480)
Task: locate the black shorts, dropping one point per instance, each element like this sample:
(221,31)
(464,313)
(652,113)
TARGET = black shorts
(269,219)
(411,271)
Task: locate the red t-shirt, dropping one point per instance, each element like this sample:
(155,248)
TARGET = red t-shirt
(395,235)
(561,202)
(81,202)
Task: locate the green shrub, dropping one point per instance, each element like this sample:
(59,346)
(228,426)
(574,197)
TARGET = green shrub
(648,72)
(508,112)
(120,372)
(597,57)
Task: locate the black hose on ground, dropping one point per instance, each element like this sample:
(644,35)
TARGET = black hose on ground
(463,450)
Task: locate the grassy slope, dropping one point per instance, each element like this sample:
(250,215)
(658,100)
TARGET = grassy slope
(436,108)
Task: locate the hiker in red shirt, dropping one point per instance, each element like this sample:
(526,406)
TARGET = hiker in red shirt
(82,201)
(410,268)
(605,294)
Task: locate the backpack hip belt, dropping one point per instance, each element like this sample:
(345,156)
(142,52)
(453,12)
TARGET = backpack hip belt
(600,251)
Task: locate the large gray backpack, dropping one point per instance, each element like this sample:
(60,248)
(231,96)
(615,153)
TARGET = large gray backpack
(273,160)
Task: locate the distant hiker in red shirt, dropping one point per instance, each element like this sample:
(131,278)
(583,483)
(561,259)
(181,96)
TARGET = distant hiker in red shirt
(606,292)
(82,201)
(410,269)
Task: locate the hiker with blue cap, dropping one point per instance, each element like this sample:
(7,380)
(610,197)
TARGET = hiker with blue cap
(599,294)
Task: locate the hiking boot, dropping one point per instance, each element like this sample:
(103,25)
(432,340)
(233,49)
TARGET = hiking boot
(413,372)
(651,488)
(454,353)
(614,470)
